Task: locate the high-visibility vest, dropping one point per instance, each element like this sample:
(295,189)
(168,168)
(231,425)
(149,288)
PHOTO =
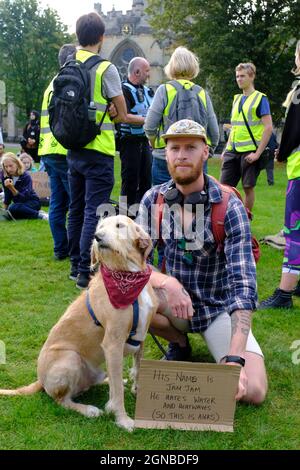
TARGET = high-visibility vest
(240,138)
(104,142)
(140,108)
(171,93)
(293,164)
(48,144)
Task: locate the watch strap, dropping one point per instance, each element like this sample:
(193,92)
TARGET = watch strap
(238,359)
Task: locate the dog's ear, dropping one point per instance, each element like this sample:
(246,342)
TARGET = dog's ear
(144,242)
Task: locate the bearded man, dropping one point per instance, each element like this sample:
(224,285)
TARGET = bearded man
(207,290)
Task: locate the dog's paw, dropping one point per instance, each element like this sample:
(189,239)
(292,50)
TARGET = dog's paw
(93,411)
(126,423)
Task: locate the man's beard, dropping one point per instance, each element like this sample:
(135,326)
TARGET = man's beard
(184,180)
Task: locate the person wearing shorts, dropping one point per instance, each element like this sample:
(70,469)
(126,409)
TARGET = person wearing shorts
(241,152)
(207,291)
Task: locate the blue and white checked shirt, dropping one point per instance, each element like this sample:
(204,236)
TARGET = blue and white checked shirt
(217,282)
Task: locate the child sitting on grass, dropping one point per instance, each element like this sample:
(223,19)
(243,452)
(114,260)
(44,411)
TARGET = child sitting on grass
(19,197)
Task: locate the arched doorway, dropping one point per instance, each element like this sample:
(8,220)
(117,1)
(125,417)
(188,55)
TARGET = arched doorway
(122,55)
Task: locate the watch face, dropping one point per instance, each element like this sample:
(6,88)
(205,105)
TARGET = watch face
(127,29)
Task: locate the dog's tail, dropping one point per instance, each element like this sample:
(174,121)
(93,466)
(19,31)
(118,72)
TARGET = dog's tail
(28,390)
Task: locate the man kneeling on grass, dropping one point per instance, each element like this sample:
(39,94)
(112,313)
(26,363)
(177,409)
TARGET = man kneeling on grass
(208,291)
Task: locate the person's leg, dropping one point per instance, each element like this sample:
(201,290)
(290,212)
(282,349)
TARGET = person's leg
(130,155)
(28,210)
(59,203)
(99,181)
(160,172)
(282,296)
(249,198)
(250,173)
(230,172)
(270,172)
(218,337)
(76,213)
(145,170)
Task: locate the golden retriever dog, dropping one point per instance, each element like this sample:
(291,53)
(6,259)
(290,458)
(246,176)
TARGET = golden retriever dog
(69,362)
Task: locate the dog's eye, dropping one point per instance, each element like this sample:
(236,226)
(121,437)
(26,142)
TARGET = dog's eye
(120,225)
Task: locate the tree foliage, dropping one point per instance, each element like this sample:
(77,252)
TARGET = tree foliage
(224,33)
(30,39)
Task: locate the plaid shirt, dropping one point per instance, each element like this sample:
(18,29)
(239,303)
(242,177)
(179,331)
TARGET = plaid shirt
(217,281)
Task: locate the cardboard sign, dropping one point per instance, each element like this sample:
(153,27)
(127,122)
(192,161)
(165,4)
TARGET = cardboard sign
(186,395)
(41,184)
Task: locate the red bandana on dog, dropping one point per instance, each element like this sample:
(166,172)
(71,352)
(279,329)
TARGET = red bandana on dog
(124,287)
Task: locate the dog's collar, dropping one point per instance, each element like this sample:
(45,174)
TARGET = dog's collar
(124,287)
(135,321)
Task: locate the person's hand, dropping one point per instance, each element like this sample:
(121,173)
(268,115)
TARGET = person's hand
(178,298)
(243,381)
(252,157)
(31,141)
(112,111)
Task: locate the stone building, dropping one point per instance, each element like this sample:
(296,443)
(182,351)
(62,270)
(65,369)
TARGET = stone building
(130,35)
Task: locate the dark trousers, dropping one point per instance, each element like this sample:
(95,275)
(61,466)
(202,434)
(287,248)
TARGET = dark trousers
(57,169)
(25,210)
(91,180)
(136,163)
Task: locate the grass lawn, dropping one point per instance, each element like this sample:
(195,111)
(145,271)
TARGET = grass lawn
(35,291)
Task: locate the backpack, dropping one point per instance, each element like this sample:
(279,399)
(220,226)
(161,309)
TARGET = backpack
(72,115)
(186,105)
(218,213)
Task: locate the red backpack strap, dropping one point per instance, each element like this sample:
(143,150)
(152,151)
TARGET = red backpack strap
(218,212)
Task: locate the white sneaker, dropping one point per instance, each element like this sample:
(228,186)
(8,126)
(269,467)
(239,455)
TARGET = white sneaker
(43,215)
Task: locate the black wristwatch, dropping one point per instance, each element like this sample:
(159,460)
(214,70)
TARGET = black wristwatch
(238,359)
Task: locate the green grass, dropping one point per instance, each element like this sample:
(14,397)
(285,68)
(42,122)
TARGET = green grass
(35,291)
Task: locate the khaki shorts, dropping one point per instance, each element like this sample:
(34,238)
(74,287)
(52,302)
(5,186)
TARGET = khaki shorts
(217,336)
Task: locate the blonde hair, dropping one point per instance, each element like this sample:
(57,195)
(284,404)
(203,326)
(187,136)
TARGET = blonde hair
(29,157)
(248,66)
(11,156)
(182,64)
(295,71)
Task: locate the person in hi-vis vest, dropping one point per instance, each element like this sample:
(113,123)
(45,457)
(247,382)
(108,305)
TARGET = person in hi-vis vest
(240,154)
(91,169)
(53,155)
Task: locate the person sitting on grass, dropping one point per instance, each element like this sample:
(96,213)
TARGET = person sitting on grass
(19,197)
(28,162)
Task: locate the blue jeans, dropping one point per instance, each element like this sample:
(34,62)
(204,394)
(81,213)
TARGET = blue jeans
(25,210)
(57,169)
(91,180)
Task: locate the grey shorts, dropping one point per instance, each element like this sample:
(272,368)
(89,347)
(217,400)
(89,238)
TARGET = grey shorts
(217,336)
(235,168)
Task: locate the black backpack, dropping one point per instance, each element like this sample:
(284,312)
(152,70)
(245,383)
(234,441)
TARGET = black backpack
(72,116)
(186,105)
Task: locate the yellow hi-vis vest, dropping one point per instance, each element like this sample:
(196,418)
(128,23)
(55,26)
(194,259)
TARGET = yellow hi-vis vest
(171,93)
(240,138)
(293,164)
(104,142)
(48,144)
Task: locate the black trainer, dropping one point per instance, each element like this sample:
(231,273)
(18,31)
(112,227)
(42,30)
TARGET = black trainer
(297,290)
(177,353)
(279,299)
(83,280)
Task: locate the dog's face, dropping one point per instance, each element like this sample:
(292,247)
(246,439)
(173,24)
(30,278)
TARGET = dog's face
(120,244)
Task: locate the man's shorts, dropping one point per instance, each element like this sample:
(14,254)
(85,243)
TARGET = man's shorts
(235,167)
(217,336)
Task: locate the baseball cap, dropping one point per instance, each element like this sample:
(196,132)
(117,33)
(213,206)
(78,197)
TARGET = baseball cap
(185,128)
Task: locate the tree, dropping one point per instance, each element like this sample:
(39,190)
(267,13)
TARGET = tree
(30,39)
(224,33)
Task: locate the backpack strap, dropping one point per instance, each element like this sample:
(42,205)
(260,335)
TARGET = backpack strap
(159,207)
